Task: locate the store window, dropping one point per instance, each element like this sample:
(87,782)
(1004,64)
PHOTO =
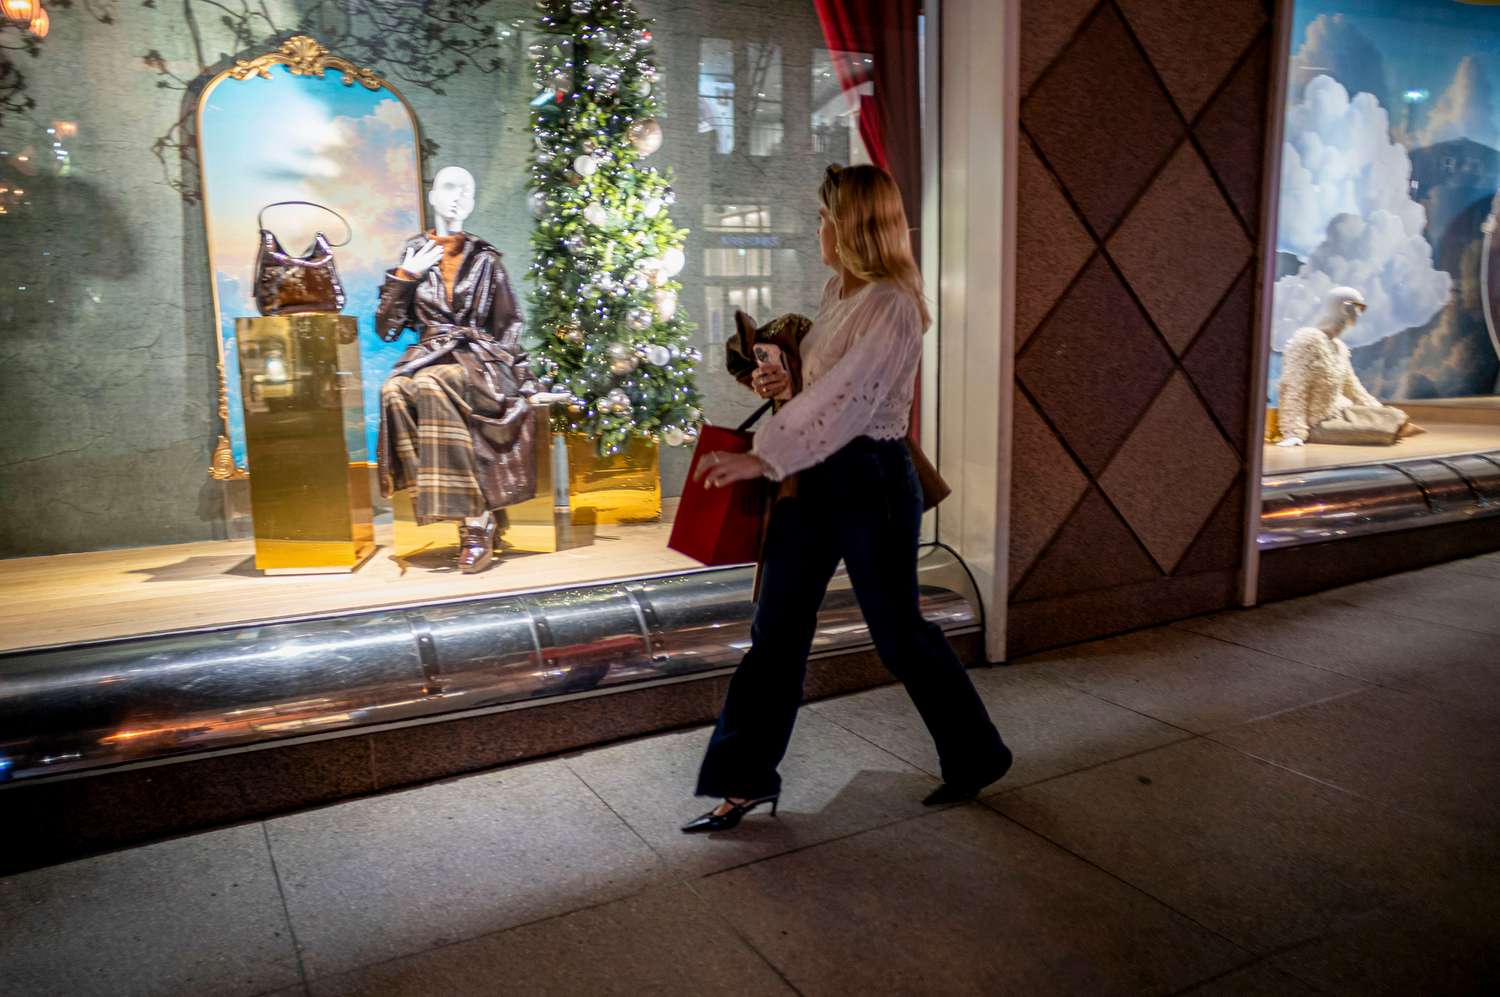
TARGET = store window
(1385,348)
(226,231)
(716,92)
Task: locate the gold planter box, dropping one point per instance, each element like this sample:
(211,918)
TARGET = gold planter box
(305,442)
(533,526)
(620,488)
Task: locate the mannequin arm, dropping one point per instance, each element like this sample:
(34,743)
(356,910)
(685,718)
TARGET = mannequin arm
(1355,391)
(394,311)
(506,325)
(1292,408)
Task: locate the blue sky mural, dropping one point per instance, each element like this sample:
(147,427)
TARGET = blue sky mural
(313,139)
(1390,172)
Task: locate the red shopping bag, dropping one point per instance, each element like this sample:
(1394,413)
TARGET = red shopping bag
(721,525)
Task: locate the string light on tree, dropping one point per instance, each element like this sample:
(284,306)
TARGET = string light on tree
(606,251)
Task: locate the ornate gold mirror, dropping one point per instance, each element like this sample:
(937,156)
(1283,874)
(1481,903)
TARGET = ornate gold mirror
(302,124)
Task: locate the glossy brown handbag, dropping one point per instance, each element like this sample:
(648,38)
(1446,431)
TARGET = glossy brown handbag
(289,285)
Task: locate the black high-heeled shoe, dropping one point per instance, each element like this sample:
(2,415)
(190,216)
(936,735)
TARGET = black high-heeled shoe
(712,821)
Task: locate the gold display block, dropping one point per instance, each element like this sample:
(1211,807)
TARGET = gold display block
(305,442)
(1273,425)
(619,488)
(531,526)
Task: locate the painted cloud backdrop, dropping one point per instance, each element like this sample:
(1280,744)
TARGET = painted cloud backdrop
(1347,212)
(310,139)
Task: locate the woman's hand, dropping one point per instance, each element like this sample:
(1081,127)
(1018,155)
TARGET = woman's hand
(719,468)
(771,382)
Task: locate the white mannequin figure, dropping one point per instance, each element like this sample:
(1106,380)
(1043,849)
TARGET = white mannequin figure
(1320,393)
(451,199)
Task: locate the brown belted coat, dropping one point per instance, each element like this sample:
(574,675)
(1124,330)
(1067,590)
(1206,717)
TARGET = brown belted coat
(478,327)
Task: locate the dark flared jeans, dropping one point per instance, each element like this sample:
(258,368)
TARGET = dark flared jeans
(863,505)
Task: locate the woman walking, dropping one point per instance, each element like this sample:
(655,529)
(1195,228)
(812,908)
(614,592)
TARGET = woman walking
(857,498)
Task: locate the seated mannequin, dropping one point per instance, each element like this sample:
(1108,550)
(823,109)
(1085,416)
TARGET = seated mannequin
(456,424)
(1321,398)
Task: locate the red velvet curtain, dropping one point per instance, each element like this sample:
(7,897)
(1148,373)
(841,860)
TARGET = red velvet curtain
(890,122)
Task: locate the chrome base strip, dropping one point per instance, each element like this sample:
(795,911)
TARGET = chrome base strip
(74,708)
(1316,506)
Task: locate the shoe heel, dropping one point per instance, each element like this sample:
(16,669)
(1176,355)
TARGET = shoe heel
(774,801)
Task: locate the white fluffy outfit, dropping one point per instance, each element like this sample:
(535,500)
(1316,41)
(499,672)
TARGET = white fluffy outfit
(1322,400)
(1317,380)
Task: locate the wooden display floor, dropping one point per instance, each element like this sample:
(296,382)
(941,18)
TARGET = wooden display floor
(1442,439)
(68,598)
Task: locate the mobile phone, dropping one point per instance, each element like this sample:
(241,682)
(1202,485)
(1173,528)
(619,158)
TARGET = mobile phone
(768,355)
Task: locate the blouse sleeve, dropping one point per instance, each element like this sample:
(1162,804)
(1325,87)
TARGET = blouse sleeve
(841,405)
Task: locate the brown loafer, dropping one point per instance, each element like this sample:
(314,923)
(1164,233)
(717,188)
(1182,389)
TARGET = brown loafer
(476,547)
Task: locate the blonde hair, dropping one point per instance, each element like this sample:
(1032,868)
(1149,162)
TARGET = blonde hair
(870,230)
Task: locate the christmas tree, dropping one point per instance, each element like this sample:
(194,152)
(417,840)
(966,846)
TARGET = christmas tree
(605,250)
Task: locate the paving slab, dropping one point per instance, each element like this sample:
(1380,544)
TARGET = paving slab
(1265,856)
(1051,727)
(195,915)
(960,902)
(664,941)
(378,878)
(1401,952)
(1444,662)
(1439,595)
(1188,680)
(1258,980)
(1485,564)
(833,783)
(1427,758)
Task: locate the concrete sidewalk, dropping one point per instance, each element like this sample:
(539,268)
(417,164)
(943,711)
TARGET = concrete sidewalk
(1300,799)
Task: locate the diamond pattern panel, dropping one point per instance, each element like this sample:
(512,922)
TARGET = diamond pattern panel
(1095,365)
(1194,43)
(1045,29)
(1051,244)
(1218,545)
(1053,486)
(1122,472)
(1095,544)
(1232,132)
(1175,442)
(1181,247)
(1219,359)
(1101,119)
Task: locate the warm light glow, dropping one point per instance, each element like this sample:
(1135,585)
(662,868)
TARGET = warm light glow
(65,129)
(41,23)
(20,10)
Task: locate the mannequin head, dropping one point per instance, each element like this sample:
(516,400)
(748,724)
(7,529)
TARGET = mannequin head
(1341,310)
(451,198)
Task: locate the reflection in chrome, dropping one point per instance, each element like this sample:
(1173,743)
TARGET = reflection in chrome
(1313,506)
(70,708)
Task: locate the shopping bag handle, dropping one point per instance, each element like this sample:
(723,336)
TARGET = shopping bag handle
(754,418)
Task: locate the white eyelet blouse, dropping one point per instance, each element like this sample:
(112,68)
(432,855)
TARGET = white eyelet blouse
(859,369)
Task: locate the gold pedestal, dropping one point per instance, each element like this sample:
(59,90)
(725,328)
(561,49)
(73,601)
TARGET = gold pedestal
(620,488)
(305,442)
(1273,425)
(533,525)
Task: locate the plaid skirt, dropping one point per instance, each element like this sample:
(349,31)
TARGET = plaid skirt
(464,450)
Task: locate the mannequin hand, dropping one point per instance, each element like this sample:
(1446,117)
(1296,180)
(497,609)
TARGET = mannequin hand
(549,397)
(1290,441)
(771,382)
(418,261)
(718,468)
